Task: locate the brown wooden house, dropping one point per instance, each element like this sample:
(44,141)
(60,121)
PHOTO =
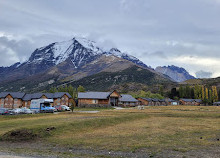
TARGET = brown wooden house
(195,102)
(98,99)
(11,100)
(60,98)
(127,100)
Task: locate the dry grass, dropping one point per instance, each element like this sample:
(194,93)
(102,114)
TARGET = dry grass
(179,128)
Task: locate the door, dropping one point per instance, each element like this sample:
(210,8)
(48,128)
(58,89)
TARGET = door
(114,101)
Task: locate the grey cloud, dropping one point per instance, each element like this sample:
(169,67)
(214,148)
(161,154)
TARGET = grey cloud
(12,51)
(166,29)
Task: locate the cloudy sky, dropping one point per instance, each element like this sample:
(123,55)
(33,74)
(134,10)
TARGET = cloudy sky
(184,33)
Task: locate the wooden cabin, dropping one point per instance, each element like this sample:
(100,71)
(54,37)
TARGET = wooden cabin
(98,99)
(60,98)
(11,100)
(145,101)
(195,102)
(127,100)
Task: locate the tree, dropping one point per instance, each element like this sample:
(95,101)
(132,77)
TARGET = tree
(188,92)
(174,93)
(73,105)
(161,91)
(203,93)
(181,92)
(81,89)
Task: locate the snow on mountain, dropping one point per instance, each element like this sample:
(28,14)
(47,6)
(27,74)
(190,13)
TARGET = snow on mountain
(79,50)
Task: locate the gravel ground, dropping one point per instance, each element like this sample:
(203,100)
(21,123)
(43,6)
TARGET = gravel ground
(38,150)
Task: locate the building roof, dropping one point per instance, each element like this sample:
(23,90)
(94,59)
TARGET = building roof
(60,94)
(147,99)
(216,103)
(187,100)
(15,95)
(127,98)
(198,100)
(93,95)
(191,100)
(26,97)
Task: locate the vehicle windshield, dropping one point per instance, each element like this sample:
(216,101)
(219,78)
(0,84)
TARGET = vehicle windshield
(46,104)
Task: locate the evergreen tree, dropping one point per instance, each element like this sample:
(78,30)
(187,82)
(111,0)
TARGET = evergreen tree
(203,93)
(81,89)
(161,91)
(181,93)
(192,93)
(187,92)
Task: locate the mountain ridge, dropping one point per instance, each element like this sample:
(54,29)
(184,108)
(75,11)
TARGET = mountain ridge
(178,74)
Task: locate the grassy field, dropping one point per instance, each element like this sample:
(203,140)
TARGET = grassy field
(154,129)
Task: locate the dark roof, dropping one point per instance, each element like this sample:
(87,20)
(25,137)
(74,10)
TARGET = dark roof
(60,94)
(191,100)
(15,95)
(216,103)
(93,95)
(198,100)
(26,97)
(161,100)
(187,100)
(155,100)
(127,98)
(147,99)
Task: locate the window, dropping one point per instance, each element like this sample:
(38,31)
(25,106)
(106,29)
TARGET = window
(94,101)
(16,100)
(2,100)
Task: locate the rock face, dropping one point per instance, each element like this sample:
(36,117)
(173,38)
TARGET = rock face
(178,74)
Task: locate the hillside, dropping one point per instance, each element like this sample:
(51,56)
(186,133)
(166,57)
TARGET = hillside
(130,79)
(205,82)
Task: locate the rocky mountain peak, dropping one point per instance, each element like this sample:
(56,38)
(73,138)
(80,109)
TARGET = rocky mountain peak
(178,74)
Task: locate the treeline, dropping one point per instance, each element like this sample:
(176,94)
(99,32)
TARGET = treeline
(70,89)
(207,94)
(144,94)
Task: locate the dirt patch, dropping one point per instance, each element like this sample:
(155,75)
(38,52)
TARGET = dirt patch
(26,134)
(19,135)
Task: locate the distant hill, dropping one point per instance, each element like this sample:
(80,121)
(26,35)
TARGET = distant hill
(205,82)
(178,74)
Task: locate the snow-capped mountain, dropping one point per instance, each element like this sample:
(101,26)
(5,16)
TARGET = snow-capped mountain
(78,57)
(178,74)
(79,50)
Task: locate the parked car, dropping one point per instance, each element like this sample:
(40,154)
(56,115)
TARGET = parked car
(4,111)
(58,108)
(65,108)
(16,111)
(26,111)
